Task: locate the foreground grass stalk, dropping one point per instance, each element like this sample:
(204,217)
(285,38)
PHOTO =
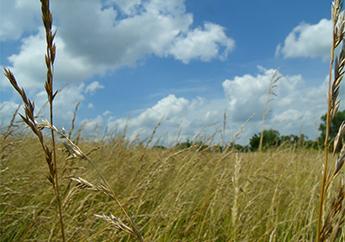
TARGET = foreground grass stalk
(105,187)
(326,144)
(270,94)
(337,65)
(49,87)
(326,160)
(29,108)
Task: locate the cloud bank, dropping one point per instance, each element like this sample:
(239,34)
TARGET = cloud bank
(307,41)
(296,109)
(95,37)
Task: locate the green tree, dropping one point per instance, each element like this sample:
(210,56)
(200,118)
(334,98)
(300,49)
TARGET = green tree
(184,145)
(289,139)
(335,124)
(271,138)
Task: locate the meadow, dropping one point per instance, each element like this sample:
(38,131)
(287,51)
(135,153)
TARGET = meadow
(57,186)
(171,194)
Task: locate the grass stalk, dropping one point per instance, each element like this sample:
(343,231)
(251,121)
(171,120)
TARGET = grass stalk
(326,147)
(105,187)
(337,65)
(29,117)
(49,87)
(270,94)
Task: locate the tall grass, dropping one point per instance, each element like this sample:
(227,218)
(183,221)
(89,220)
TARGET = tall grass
(269,98)
(29,118)
(330,227)
(175,195)
(190,194)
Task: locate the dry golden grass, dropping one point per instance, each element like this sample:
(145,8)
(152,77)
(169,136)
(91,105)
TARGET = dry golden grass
(172,195)
(328,228)
(166,194)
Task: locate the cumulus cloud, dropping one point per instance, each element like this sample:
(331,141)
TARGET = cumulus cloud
(296,109)
(248,94)
(129,7)
(18,17)
(64,103)
(179,118)
(93,127)
(29,67)
(95,36)
(166,109)
(147,27)
(90,106)
(7,108)
(133,7)
(93,87)
(204,44)
(307,40)
(295,105)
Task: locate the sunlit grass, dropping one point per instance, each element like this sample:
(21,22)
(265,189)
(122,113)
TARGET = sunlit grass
(172,195)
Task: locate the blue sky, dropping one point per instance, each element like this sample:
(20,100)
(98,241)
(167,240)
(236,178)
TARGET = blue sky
(134,63)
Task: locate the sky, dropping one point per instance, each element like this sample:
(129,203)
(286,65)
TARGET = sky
(178,65)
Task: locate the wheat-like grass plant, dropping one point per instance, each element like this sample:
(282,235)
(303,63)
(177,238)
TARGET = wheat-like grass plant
(174,195)
(330,227)
(235,181)
(269,99)
(29,107)
(51,94)
(193,194)
(75,152)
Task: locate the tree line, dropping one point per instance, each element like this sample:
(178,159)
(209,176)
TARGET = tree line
(273,139)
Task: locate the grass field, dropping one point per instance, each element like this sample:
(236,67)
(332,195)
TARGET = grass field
(172,195)
(120,191)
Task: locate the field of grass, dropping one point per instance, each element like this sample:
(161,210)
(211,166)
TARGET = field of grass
(172,195)
(55,190)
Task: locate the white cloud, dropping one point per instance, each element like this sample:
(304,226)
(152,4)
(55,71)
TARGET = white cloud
(155,27)
(93,87)
(64,103)
(18,17)
(29,67)
(7,109)
(307,40)
(93,127)
(133,7)
(166,109)
(204,44)
(248,94)
(93,37)
(90,106)
(128,7)
(296,109)
(176,115)
(106,113)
